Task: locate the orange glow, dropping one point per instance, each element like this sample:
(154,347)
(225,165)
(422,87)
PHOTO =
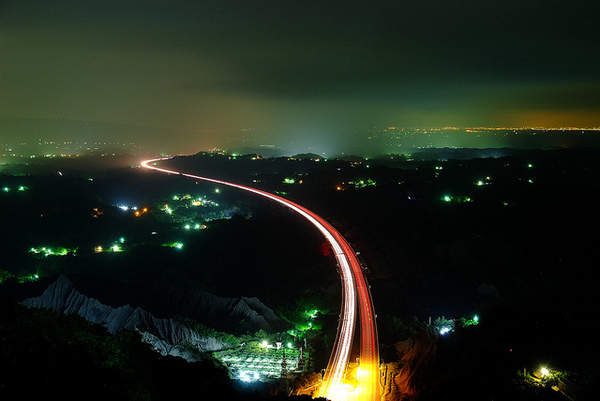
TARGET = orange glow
(566,119)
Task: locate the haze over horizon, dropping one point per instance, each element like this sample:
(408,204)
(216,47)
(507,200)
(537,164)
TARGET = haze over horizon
(310,75)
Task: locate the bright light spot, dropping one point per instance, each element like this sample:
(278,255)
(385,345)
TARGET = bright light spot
(263,344)
(447,198)
(545,371)
(475,318)
(217,190)
(444,330)
(98,249)
(179,245)
(187,227)
(530,165)
(247,376)
(341,391)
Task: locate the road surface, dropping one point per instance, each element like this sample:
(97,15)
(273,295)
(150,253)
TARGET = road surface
(356,297)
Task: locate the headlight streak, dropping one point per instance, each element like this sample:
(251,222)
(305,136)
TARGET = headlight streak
(350,272)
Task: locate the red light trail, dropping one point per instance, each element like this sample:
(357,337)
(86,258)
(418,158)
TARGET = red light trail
(355,292)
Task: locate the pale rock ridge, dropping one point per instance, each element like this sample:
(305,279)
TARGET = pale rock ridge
(166,335)
(209,308)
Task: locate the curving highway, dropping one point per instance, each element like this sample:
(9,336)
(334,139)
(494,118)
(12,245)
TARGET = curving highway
(356,297)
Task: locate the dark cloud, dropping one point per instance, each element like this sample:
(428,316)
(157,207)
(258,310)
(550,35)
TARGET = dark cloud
(328,66)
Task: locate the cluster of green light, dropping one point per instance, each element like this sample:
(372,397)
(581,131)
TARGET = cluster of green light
(447,325)
(457,199)
(175,244)
(471,322)
(4,276)
(195,226)
(289,180)
(21,188)
(187,200)
(362,183)
(115,247)
(32,277)
(301,327)
(481,183)
(203,202)
(58,251)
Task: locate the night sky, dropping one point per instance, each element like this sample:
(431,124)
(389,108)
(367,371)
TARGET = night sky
(198,74)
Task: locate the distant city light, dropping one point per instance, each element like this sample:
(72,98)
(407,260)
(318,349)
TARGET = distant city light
(58,251)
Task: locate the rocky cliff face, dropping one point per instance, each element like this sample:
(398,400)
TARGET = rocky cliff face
(215,311)
(406,379)
(165,335)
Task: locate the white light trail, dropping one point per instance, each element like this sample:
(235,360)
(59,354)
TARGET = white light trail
(350,271)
